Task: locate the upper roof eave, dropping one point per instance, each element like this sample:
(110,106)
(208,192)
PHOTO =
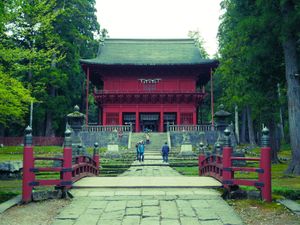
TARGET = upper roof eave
(212,62)
(149,52)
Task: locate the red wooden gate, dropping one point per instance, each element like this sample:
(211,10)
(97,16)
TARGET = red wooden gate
(69,173)
(221,167)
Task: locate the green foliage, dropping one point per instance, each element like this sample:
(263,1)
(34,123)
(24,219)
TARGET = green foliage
(14,100)
(41,44)
(199,42)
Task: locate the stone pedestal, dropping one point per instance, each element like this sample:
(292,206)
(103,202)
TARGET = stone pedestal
(112,151)
(186,150)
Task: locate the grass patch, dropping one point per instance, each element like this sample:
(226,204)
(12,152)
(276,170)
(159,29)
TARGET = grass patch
(4,196)
(187,171)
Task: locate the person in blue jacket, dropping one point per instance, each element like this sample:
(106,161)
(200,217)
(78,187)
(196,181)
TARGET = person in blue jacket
(165,152)
(141,150)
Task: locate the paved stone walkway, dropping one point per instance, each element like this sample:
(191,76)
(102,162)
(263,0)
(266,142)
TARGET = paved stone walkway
(150,167)
(148,206)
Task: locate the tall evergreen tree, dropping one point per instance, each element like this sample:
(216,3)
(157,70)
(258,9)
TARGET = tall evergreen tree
(14,98)
(249,66)
(43,42)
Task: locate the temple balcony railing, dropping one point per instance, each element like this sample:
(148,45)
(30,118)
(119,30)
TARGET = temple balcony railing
(150,91)
(107,128)
(152,97)
(197,128)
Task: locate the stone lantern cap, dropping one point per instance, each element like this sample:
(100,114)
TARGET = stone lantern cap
(76,119)
(76,113)
(222,113)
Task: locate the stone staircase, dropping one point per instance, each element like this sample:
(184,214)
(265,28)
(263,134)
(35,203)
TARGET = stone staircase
(152,150)
(156,140)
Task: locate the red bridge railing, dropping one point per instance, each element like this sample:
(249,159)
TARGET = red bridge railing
(69,172)
(221,167)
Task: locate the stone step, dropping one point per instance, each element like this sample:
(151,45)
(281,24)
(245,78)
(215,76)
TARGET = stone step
(147,182)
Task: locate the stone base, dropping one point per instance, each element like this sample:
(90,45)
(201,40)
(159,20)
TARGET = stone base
(186,151)
(112,151)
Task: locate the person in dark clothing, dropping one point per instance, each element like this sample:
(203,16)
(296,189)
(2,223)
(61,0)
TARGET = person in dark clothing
(137,150)
(165,152)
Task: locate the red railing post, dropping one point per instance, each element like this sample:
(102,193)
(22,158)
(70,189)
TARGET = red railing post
(265,165)
(28,164)
(201,158)
(227,164)
(67,163)
(96,157)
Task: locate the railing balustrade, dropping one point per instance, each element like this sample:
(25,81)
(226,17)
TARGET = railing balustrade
(84,166)
(222,168)
(110,128)
(198,128)
(148,91)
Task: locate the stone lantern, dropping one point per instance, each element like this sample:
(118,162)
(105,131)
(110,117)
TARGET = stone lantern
(221,117)
(75,121)
(221,124)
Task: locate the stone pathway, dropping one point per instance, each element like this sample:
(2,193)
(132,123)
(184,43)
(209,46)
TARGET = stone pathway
(147,206)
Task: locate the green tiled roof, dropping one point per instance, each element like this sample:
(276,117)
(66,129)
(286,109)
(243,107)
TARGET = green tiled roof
(149,52)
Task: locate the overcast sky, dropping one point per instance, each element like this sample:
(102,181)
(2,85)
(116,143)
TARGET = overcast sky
(160,19)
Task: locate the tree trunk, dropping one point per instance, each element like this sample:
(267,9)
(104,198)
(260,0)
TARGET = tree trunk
(1,131)
(236,122)
(280,114)
(49,132)
(274,140)
(293,93)
(243,130)
(250,126)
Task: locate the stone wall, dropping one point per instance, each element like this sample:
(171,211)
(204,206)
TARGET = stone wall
(103,138)
(193,136)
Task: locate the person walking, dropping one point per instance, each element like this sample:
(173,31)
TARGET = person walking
(137,150)
(141,150)
(165,152)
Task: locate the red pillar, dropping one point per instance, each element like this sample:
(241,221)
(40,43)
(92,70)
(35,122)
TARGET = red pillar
(194,118)
(67,164)
(87,96)
(120,118)
(104,118)
(100,116)
(178,118)
(227,174)
(265,164)
(161,126)
(28,163)
(137,122)
(201,158)
(227,164)
(265,177)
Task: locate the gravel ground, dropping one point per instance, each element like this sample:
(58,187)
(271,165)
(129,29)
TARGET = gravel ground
(255,213)
(37,213)
(42,213)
